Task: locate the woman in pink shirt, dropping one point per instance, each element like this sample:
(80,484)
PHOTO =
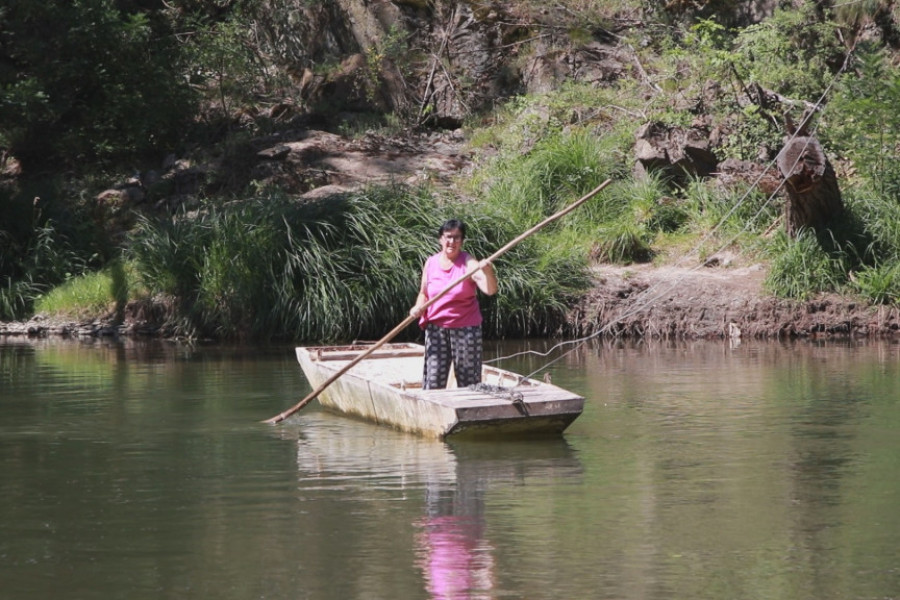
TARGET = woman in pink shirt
(453,324)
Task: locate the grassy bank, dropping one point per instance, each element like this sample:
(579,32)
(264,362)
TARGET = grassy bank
(264,265)
(347,267)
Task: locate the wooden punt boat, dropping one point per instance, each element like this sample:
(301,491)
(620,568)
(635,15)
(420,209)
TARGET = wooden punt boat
(386,388)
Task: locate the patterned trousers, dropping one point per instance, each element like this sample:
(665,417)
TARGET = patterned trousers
(459,346)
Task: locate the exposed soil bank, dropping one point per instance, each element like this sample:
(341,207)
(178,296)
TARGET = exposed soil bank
(717,302)
(638,301)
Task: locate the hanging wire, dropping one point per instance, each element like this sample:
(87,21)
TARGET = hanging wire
(652,294)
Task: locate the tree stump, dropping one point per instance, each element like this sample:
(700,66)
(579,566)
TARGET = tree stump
(814,198)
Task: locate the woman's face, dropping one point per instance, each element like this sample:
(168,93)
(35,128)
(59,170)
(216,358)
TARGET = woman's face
(451,243)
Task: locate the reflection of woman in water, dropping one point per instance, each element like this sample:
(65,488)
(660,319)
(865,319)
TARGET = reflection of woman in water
(455,557)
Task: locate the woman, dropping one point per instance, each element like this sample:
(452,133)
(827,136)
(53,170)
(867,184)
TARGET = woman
(453,323)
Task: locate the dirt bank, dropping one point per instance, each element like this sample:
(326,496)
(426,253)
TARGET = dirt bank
(710,302)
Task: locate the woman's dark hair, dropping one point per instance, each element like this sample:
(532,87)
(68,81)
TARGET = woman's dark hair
(450,225)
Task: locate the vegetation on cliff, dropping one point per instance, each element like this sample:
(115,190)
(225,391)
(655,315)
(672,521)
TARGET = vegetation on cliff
(551,100)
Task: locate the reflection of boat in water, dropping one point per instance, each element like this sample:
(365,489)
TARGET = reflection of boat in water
(453,551)
(385,388)
(355,453)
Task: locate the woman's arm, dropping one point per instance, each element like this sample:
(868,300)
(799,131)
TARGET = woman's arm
(422,298)
(485,277)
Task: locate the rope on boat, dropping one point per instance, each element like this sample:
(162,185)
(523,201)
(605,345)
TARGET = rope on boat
(503,393)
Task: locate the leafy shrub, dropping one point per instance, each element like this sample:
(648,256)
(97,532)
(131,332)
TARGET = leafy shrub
(794,53)
(863,123)
(97,82)
(225,63)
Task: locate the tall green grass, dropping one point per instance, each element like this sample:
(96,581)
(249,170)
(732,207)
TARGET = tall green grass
(879,283)
(859,255)
(267,267)
(30,269)
(876,219)
(629,219)
(103,292)
(802,267)
(354,271)
(345,268)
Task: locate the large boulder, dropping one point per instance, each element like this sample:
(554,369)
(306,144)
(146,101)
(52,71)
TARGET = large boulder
(594,63)
(676,153)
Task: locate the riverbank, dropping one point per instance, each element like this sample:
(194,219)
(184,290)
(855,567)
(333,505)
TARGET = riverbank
(717,302)
(634,302)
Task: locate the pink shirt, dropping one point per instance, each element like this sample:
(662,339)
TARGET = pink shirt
(459,306)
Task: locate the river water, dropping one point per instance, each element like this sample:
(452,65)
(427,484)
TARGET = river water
(698,470)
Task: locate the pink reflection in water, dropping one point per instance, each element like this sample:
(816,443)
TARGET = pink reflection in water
(455,558)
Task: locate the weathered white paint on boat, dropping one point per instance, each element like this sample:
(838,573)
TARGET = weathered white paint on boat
(386,388)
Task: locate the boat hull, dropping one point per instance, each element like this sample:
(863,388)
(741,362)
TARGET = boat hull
(385,388)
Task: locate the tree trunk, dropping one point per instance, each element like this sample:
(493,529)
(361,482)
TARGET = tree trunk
(814,198)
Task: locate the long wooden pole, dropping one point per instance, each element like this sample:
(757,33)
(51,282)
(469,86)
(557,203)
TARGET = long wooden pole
(408,320)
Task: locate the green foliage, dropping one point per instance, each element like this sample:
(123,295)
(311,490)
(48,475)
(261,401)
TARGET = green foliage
(863,122)
(748,132)
(794,53)
(84,80)
(346,268)
(878,219)
(560,163)
(215,264)
(880,284)
(802,266)
(391,50)
(623,241)
(29,267)
(165,254)
(352,271)
(629,218)
(44,239)
(225,63)
(581,17)
(612,114)
(857,13)
(714,42)
(91,294)
(731,211)
(861,255)
(689,10)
